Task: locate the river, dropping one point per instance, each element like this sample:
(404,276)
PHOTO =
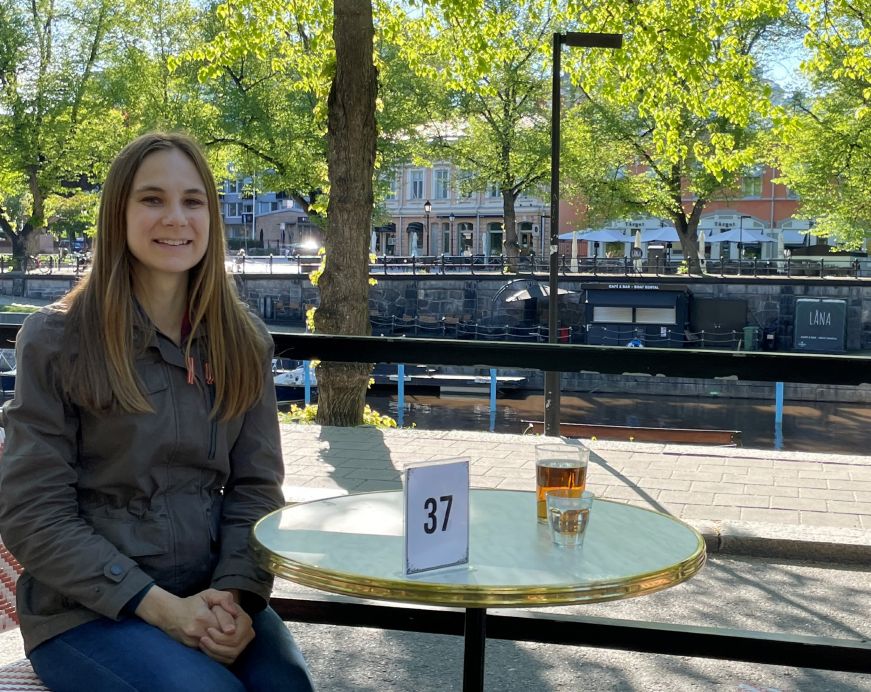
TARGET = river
(834,428)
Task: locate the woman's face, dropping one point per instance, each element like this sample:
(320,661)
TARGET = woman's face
(167,215)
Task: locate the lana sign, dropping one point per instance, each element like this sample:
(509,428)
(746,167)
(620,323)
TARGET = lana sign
(820,324)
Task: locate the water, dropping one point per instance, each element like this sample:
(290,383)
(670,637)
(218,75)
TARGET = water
(807,426)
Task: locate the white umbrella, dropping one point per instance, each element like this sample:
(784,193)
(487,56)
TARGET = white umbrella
(603,235)
(636,244)
(574,264)
(702,260)
(663,234)
(737,235)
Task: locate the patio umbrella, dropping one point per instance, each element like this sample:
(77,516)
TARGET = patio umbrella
(636,244)
(702,260)
(603,235)
(662,234)
(736,235)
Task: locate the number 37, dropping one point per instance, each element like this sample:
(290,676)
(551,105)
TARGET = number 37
(431,508)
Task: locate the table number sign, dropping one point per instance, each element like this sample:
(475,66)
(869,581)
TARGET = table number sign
(436,515)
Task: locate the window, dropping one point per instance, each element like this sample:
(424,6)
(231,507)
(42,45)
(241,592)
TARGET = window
(233,209)
(655,315)
(441,183)
(391,187)
(493,190)
(751,183)
(464,189)
(606,313)
(415,184)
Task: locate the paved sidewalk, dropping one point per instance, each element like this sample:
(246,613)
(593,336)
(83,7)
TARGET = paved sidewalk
(757,502)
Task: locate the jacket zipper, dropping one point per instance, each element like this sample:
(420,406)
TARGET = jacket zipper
(213,432)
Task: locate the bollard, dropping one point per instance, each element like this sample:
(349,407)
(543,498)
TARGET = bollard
(307,381)
(400,395)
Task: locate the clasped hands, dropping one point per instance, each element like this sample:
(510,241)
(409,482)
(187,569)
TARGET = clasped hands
(210,621)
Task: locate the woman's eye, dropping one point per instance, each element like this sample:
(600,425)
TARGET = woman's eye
(195,202)
(151,200)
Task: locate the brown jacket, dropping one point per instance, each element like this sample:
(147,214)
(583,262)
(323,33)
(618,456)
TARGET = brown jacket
(95,508)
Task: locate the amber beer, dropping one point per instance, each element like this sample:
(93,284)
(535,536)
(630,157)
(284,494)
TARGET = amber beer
(559,467)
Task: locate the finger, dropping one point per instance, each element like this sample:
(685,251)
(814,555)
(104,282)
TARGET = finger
(209,649)
(222,598)
(226,622)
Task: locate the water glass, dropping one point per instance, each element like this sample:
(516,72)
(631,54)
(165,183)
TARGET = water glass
(568,514)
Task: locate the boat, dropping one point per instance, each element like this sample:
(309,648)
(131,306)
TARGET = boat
(692,436)
(290,384)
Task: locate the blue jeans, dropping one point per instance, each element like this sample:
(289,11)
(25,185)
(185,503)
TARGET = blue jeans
(132,655)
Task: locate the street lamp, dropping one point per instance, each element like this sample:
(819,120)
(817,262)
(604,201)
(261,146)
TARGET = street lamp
(576,40)
(451,218)
(427,208)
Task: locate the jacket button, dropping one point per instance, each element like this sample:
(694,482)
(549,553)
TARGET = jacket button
(116,569)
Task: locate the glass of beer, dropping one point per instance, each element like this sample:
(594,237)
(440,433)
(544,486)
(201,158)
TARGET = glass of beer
(559,467)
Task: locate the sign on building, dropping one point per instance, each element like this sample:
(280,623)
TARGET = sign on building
(820,324)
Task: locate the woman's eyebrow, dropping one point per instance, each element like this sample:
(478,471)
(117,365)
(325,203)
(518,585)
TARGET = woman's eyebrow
(157,188)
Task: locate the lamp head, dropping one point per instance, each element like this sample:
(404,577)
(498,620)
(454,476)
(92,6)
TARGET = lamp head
(427,207)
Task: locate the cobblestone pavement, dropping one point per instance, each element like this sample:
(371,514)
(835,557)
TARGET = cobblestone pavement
(746,501)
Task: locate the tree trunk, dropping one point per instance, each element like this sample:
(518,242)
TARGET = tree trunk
(351,138)
(510,246)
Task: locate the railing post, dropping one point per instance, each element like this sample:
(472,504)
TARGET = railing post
(822,268)
(414,265)
(270,262)
(443,264)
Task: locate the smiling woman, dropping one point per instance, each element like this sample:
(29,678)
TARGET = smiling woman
(142,445)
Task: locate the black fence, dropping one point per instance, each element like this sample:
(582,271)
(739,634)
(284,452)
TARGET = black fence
(774,649)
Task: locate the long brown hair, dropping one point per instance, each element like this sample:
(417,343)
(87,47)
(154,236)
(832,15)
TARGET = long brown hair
(104,330)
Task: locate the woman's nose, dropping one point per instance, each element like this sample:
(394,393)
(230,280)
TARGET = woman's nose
(175,216)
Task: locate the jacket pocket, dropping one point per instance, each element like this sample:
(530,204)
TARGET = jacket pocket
(152,376)
(133,537)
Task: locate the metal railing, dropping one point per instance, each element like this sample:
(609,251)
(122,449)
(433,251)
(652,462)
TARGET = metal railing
(736,645)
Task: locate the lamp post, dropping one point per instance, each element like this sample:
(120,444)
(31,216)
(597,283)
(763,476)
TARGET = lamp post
(451,218)
(427,208)
(575,40)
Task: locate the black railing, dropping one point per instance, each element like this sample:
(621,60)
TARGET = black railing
(772,649)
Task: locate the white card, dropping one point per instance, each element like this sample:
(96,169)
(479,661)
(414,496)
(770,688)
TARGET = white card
(436,515)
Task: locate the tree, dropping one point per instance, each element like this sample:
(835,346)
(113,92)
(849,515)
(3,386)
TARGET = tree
(351,136)
(299,84)
(489,59)
(684,93)
(824,138)
(52,134)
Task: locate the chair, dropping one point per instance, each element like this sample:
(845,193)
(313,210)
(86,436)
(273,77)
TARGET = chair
(18,675)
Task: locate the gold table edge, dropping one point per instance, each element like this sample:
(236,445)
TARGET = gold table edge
(475,596)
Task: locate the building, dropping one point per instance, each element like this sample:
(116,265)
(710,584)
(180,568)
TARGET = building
(269,220)
(458,223)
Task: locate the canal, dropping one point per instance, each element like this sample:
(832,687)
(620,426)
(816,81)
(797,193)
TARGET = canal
(834,428)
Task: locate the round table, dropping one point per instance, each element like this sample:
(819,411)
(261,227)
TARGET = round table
(354,545)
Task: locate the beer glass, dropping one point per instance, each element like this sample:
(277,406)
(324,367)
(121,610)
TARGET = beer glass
(559,467)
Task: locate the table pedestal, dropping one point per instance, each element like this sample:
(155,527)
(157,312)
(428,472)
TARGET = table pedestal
(474,641)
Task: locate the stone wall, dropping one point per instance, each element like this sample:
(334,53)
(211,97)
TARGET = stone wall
(484,299)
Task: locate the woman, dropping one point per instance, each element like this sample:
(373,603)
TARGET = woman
(142,445)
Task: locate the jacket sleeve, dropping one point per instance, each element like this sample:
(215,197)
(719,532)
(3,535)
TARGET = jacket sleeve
(39,514)
(252,491)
